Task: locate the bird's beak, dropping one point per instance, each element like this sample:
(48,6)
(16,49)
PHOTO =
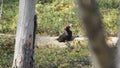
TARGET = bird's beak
(70,25)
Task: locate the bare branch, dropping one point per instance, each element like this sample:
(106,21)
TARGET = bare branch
(91,18)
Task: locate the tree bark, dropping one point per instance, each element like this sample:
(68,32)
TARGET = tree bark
(91,18)
(24,47)
(118,44)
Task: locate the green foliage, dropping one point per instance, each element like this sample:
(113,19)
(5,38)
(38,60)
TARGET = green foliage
(48,57)
(53,15)
(110,11)
(6,51)
(61,58)
(9,17)
(44,1)
(108,3)
(110,19)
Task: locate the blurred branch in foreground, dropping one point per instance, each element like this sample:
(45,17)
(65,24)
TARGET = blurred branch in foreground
(91,18)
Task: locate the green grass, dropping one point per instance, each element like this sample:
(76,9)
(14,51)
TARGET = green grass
(53,15)
(9,17)
(61,58)
(109,4)
(48,57)
(6,51)
(110,19)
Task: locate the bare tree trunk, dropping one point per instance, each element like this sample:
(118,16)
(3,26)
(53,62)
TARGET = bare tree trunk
(24,47)
(118,44)
(91,18)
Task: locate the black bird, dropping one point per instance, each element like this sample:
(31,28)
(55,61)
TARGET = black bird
(66,36)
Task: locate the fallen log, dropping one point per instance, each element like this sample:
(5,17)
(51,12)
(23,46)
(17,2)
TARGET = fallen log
(42,41)
(51,41)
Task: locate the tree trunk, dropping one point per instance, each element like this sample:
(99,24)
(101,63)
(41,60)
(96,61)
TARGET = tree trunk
(24,47)
(91,18)
(118,44)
